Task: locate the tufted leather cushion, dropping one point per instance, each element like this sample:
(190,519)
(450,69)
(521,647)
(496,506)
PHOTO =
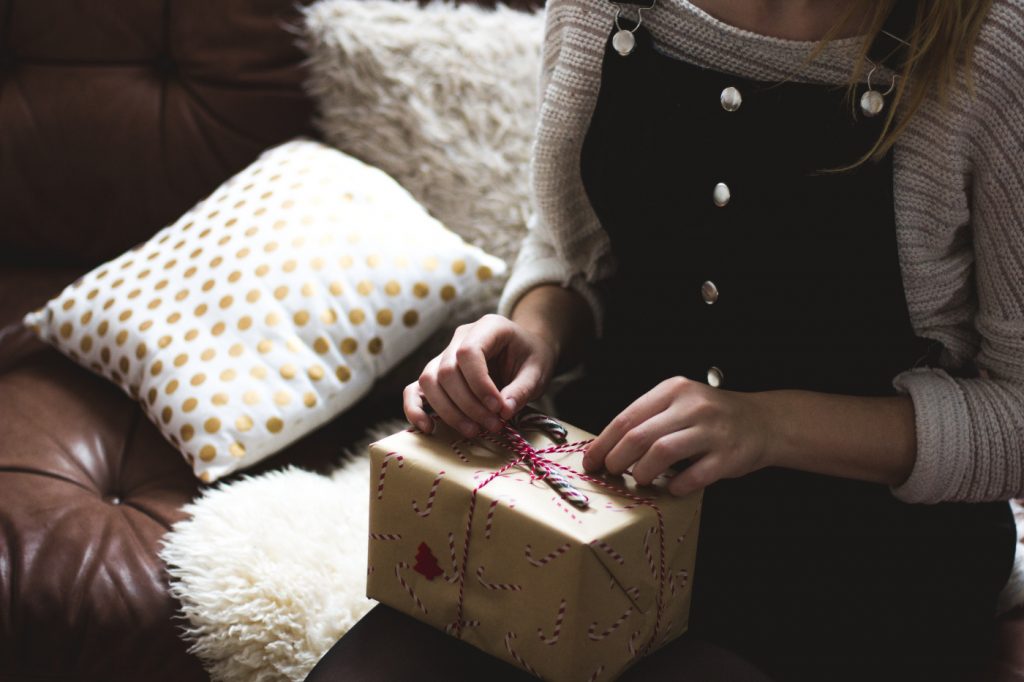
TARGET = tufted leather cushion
(116,116)
(88,489)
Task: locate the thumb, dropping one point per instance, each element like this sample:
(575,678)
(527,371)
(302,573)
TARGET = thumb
(523,387)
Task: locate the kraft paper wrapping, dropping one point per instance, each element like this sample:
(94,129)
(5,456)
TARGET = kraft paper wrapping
(563,593)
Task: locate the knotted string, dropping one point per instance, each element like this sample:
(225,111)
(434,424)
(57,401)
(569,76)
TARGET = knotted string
(541,467)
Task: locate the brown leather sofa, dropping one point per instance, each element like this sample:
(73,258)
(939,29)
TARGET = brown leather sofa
(115,117)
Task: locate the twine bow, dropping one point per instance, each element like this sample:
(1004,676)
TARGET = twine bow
(557,476)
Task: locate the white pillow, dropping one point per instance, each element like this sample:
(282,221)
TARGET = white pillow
(270,307)
(443,97)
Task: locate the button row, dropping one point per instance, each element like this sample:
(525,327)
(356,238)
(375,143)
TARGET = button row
(731,100)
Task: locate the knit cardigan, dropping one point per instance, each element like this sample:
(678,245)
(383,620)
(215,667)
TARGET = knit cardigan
(959,211)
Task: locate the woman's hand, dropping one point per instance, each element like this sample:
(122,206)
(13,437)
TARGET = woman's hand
(724,434)
(461,384)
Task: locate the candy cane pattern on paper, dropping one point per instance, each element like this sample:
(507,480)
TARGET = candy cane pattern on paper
(509,636)
(597,673)
(385,536)
(398,573)
(430,497)
(551,556)
(450,628)
(596,636)
(609,550)
(496,586)
(450,578)
(557,500)
(558,626)
(647,552)
(490,513)
(682,574)
(630,646)
(384,470)
(611,507)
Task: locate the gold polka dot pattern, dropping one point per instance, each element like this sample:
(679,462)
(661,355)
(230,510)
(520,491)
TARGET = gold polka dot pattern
(270,307)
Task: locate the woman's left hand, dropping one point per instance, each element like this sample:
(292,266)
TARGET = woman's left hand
(726,434)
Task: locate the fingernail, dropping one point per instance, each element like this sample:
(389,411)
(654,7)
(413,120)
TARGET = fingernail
(468,429)
(511,402)
(492,403)
(493,425)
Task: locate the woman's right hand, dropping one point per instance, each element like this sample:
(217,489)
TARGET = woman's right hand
(462,383)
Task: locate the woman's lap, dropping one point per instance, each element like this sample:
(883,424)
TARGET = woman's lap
(812,577)
(798,571)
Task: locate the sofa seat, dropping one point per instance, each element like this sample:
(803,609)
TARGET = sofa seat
(89,488)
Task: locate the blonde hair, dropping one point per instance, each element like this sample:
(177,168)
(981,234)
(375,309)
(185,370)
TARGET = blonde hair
(941,38)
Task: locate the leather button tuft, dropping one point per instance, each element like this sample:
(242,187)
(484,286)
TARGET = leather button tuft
(166,65)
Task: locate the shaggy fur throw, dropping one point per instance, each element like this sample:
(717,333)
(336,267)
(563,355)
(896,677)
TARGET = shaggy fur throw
(271,570)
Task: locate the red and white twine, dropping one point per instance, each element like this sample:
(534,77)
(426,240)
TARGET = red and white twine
(537,462)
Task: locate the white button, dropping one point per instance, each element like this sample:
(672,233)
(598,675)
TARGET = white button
(715,377)
(872,103)
(721,194)
(623,41)
(731,99)
(709,292)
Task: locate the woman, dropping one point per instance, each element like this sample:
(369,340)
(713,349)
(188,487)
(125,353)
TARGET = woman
(806,298)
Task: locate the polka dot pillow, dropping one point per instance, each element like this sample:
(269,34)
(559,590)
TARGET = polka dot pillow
(270,307)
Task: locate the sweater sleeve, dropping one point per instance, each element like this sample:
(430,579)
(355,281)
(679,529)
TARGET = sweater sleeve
(970,432)
(565,243)
(538,263)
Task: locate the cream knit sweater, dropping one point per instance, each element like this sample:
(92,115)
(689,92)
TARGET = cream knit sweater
(959,187)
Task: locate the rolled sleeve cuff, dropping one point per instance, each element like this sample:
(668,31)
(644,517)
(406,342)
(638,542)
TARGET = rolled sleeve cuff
(548,270)
(944,445)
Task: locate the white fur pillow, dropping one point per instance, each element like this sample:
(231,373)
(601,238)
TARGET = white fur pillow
(441,97)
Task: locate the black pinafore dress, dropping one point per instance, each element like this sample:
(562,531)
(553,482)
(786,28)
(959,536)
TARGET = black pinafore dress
(741,264)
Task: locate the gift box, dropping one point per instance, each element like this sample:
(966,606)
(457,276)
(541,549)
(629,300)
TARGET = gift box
(504,541)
